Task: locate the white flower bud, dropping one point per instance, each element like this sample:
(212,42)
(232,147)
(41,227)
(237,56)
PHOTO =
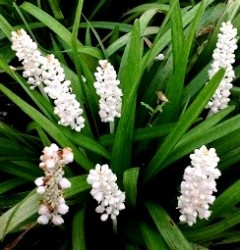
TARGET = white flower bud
(104,217)
(43,210)
(41,190)
(43,219)
(64,183)
(57,220)
(39,181)
(63,209)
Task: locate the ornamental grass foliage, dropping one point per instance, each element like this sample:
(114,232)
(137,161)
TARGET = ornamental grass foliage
(120,133)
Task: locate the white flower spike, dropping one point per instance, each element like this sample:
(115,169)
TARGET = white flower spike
(198,186)
(223,57)
(106,192)
(39,69)
(106,86)
(50,186)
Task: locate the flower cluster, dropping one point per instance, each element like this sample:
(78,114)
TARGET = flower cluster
(50,186)
(39,69)
(106,85)
(198,185)
(223,57)
(106,192)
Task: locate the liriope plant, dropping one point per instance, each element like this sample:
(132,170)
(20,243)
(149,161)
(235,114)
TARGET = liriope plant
(110,120)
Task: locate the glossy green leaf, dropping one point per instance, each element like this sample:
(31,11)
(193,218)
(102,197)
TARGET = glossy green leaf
(204,134)
(141,134)
(29,206)
(167,228)
(78,231)
(10,184)
(152,239)
(182,126)
(55,26)
(130,181)
(49,127)
(56,9)
(122,146)
(212,231)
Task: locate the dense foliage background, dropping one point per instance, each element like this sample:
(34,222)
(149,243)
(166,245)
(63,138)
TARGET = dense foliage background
(148,152)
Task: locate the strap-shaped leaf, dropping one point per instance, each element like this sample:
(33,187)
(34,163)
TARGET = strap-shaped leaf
(152,239)
(130,179)
(28,206)
(49,127)
(167,228)
(56,27)
(182,126)
(78,232)
(129,77)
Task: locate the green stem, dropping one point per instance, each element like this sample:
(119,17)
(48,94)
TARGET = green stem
(114,226)
(111,126)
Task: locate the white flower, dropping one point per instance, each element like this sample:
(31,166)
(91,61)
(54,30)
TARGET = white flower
(63,208)
(39,181)
(43,219)
(198,186)
(39,69)
(52,205)
(223,57)
(160,57)
(43,210)
(64,183)
(57,220)
(106,192)
(106,85)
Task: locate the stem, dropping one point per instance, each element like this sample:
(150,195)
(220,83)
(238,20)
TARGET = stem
(210,113)
(115,226)
(111,126)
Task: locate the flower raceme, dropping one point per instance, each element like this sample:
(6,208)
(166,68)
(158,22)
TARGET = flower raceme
(106,86)
(223,57)
(46,70)
(50,187)
(106,192)
(198,185)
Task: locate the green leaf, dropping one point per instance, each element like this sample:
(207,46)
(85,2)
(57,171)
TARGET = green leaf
(211,232)
(167,228)
(29,206)
(41,133)
(5,27)
(130,179)
(55,26)
(78,232)
(15,168)
(177,36)
(122,146)
(152,239)
(141,134)
(180,51)
(56,9)
(10,184)
(203,134)
(49,127)
(145,7)
(182,126)
(228,199)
